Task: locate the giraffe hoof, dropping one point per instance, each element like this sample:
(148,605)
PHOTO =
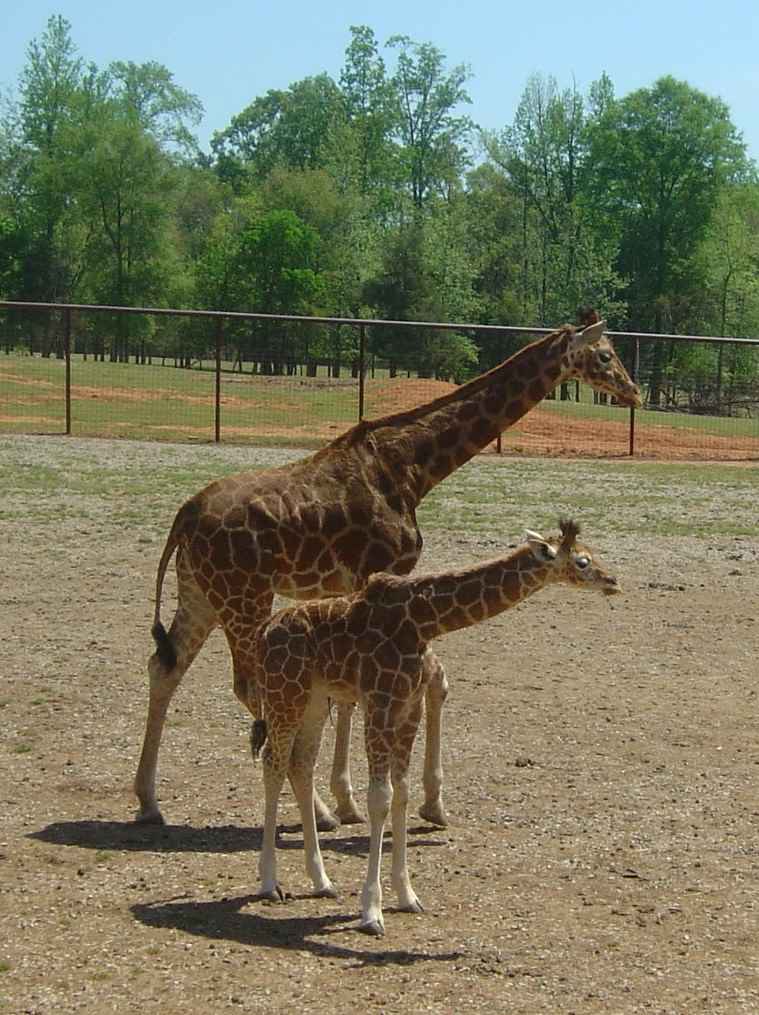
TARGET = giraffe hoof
(412,906)
(150,818)
(274,894)
(327,823)
(375,928)
(435,814)
(329,892)
(350,815)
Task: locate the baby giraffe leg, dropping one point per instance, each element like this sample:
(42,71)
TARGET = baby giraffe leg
(378,804)
(407,898)
(303,760)
(276,760)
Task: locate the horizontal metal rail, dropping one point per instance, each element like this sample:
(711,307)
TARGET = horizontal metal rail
(492,329)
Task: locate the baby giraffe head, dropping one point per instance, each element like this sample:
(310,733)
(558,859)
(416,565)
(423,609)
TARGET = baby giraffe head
(569,561)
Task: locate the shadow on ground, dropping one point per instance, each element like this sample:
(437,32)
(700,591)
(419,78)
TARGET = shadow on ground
(223,920)
(123,835)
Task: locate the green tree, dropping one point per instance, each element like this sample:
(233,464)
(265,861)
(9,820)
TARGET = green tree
(282,128)
(434,140)
(496,241)
(39,156)
(564,260)
(727,264)
(659,158)
(164,110)
(11,255)
(371,112)
(280,251)
(426,275)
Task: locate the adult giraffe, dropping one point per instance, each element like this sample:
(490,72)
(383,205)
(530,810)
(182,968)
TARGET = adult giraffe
(321,526)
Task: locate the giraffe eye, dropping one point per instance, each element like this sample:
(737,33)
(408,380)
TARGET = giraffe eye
(605,356)
(582,562)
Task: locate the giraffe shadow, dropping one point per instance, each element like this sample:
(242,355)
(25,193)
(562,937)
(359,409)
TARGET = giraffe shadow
(131,837)
(354,845)
(225,920)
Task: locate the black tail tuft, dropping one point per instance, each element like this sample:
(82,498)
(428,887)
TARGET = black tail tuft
(258,734)
(164,649)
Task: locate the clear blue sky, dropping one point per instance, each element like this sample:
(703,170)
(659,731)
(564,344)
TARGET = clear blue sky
(230,51)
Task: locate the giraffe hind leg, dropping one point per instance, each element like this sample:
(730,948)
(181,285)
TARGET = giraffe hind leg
(432,809)
(193,622)
(347,809)
(301,773)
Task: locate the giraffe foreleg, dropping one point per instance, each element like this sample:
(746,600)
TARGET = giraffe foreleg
(378,797)
(432,809)
(405,735)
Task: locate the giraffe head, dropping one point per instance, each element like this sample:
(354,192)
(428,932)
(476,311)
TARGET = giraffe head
(570,562)
(591,358)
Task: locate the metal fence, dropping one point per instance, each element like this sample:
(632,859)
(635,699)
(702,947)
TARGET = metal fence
(151,373)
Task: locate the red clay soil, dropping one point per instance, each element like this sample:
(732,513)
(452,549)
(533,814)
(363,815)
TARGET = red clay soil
(549,431)
(543,431)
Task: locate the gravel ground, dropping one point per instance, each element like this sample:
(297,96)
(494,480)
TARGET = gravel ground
(601,774)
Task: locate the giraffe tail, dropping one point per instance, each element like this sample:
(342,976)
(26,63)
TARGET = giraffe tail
(163,645)
(165,650)
(258,734)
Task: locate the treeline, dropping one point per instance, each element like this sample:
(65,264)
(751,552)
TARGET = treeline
(375,195)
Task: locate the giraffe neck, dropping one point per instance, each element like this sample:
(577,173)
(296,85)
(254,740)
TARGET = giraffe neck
(434,440)
(458,599)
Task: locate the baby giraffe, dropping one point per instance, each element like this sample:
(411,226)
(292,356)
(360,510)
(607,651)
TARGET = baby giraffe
(369,648)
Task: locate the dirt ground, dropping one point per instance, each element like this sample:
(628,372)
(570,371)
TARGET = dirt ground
(601,774)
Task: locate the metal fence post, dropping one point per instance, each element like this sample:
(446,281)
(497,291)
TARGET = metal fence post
(217,397)
(361,369)
(635,371)
(67,356)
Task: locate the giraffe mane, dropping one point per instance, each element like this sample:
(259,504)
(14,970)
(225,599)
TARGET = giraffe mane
(360,430)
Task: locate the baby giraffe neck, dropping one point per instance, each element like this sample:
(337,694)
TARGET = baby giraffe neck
(460,599)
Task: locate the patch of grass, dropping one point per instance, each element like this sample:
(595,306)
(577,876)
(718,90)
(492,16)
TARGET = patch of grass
(165,403)
(490,496)
(22,749)
(127,400)
(715,425)
(498,497)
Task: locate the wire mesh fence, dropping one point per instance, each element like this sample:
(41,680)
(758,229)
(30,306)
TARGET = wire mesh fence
(277,379)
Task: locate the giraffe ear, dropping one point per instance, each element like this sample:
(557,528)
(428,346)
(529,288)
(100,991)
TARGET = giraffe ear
(541,548)
(529,535)
(591,334)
